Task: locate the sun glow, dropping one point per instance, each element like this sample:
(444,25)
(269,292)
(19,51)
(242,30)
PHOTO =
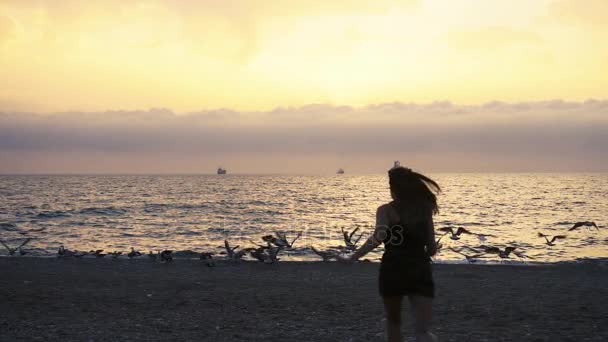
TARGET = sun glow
(186,55)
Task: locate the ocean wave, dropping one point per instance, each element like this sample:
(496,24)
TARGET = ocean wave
(106,211)
(53,214)
(8,226)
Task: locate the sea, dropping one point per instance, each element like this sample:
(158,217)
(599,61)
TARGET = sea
(196,213)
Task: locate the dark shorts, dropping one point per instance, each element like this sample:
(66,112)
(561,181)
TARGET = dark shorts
(405,277)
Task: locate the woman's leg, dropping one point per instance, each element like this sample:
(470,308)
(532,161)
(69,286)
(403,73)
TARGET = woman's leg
(422,308)
(392,308)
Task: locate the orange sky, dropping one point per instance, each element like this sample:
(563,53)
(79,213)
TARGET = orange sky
(256,55)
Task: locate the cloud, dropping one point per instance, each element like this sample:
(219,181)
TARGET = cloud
(492,37)
(8,29)
(497,136)
(589,13)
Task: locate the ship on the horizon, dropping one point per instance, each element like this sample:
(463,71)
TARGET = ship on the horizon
(340,171)
(221,171)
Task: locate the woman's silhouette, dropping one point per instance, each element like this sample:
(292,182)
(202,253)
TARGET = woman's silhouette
(405,226)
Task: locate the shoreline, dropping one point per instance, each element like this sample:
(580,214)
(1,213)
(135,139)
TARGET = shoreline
(100,300)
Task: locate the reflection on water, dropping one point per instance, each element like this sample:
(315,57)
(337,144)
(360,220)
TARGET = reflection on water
(198,212)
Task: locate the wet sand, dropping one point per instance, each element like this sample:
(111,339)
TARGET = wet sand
(137,300)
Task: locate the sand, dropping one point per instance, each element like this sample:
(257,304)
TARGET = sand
(138,300)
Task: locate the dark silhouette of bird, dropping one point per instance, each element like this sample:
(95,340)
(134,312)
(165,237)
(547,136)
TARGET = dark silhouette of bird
(348,238)
(12,251)
(133,253)
(98,253)
(496,250)
(115,254)
(551,242)
(587,224)
(233,254)
(325,255)
(62,252)
(166,256)
(280,239)
(470,258)
(455,235)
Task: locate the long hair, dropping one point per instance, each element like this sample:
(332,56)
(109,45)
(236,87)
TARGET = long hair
(414,191)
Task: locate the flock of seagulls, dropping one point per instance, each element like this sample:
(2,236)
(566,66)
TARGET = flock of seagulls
(273,244)
(482,250)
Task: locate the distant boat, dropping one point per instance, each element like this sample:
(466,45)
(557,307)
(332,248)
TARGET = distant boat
(221,171)
(340,171)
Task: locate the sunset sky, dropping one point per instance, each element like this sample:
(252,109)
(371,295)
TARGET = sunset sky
(307,60)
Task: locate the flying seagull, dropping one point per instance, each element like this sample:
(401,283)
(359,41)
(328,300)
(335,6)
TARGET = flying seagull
(587,224)
(231,251)
(280,239)
(455,235)
(551,242)
(348,238)
(11,251)
(502,254)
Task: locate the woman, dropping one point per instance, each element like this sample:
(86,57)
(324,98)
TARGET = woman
(405,226)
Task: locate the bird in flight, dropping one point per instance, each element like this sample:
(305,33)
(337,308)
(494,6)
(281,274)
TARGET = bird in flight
(348,238)
(552,241)
(231,251)
(587,224)
(496,250)
(12,251)
(280,239)
(455,235)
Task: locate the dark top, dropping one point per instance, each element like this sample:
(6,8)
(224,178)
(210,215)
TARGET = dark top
(407,240)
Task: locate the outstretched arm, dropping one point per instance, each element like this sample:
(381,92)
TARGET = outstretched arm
(376,238)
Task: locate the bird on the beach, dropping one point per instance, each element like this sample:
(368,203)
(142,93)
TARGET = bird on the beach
(133,253)
(208,257)
(455,235)
(166,255)
(97,253)
(470,258)
(551,242)
(587,224)
(12,251)
(325,255)
(62,252)
(258,253)
(348,238)
(115,254)
(232,255)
